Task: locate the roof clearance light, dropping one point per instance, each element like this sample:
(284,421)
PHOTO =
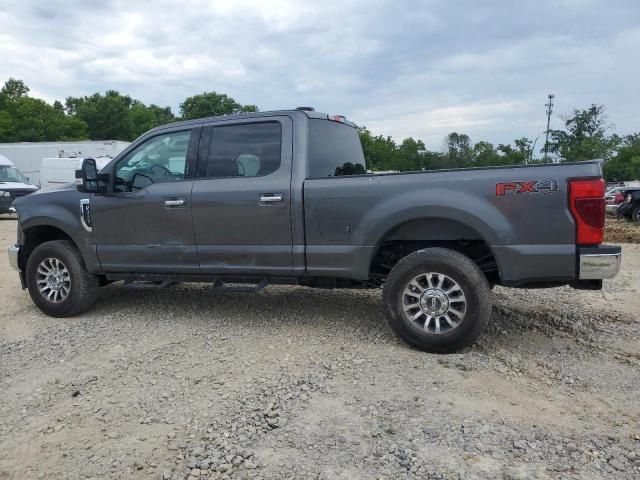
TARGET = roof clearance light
(337,118)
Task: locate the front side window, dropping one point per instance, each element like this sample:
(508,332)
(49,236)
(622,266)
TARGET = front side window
(248,150)
(162,158)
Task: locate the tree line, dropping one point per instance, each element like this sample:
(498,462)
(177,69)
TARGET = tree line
(113,116)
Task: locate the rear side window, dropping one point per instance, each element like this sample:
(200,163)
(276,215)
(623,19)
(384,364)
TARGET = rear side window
(249,150)
(334,150)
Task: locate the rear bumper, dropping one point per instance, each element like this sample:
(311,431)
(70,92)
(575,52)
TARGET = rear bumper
(599,262)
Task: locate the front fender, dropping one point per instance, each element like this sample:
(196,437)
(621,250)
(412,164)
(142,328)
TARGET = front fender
(63,216)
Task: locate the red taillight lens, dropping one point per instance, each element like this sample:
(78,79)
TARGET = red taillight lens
(586,202)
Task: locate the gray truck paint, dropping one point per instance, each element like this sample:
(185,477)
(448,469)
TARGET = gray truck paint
(323,227)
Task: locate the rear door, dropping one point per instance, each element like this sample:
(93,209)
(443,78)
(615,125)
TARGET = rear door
(241,202)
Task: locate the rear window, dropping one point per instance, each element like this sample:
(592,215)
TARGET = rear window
(334,150)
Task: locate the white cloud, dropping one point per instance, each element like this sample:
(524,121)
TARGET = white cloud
(416,69)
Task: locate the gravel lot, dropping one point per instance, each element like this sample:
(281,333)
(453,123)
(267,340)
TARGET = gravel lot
(299,383)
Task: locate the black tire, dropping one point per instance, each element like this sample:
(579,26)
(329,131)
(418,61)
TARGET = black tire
(83,286)
(635,215)
(473,289)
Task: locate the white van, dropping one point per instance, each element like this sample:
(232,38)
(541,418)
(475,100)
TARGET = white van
(13,184)
(59,171)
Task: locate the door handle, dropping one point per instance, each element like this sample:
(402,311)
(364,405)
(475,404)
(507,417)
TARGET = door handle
(271,197)
(174,202)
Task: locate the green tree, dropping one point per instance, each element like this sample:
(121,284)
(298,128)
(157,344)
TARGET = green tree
(26,119)
(519,154)
(379,151)
(12,90)
(144,118)
(212,104)
(625,166)
(585,136)
(484,155)
(107,116)
(459,150)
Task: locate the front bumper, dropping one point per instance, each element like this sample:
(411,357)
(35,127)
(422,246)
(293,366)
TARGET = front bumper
(599,262)
(14,252)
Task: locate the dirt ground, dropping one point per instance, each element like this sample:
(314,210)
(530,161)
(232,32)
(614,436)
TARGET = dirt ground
(299,383)
(621,231)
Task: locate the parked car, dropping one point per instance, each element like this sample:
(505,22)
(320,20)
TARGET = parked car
(630,208)
(284,197)
(13,184)
(613,198)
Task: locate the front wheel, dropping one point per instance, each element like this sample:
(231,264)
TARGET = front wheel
(437,300)
(58,281)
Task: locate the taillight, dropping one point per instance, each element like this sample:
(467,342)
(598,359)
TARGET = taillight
(586,202)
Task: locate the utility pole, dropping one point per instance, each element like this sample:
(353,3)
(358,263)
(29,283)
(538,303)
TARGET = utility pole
(549,106)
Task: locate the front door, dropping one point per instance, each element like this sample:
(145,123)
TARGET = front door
(144,225)
(241,201)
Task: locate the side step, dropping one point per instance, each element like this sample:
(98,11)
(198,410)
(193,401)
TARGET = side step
(147,284)
(219,286)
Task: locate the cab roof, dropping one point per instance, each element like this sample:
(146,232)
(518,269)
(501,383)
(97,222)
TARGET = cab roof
(312,114)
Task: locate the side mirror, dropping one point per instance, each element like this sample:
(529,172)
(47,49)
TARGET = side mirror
(140,181)
(88,179)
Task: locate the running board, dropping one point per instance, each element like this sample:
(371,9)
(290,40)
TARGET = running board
(147,284)
(220,286)
(217,285)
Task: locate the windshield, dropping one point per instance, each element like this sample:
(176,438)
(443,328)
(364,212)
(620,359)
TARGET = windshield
(9,173)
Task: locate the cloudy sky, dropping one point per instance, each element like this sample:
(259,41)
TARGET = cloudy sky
(402,68)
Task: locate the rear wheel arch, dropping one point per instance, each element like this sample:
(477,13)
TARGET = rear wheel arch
(415,234)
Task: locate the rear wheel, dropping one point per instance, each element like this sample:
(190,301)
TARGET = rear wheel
(437,300)
(635,215)
(58,281)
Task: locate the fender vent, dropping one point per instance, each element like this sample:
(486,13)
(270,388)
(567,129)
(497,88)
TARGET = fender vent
(85,214)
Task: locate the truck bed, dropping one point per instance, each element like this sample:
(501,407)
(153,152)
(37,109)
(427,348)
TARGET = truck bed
(520,212)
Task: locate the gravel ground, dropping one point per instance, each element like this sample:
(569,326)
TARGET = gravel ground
(300,383)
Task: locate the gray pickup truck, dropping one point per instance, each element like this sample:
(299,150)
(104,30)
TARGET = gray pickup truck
(284,197)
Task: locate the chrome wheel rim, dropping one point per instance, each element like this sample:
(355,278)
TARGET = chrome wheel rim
(54,280)
(434,302)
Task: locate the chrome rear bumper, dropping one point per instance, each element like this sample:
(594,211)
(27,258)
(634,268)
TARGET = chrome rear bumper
(601,262)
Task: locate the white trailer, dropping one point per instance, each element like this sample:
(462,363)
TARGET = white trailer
(27,156)
(58,171)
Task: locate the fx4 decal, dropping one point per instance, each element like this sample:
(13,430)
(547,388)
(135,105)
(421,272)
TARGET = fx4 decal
(535,186)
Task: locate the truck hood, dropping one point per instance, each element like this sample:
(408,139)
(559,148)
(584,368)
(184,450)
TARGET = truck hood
(57,188)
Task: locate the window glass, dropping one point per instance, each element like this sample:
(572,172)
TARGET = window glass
(249,150)
(162,158)
(9,173)
(334,150)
